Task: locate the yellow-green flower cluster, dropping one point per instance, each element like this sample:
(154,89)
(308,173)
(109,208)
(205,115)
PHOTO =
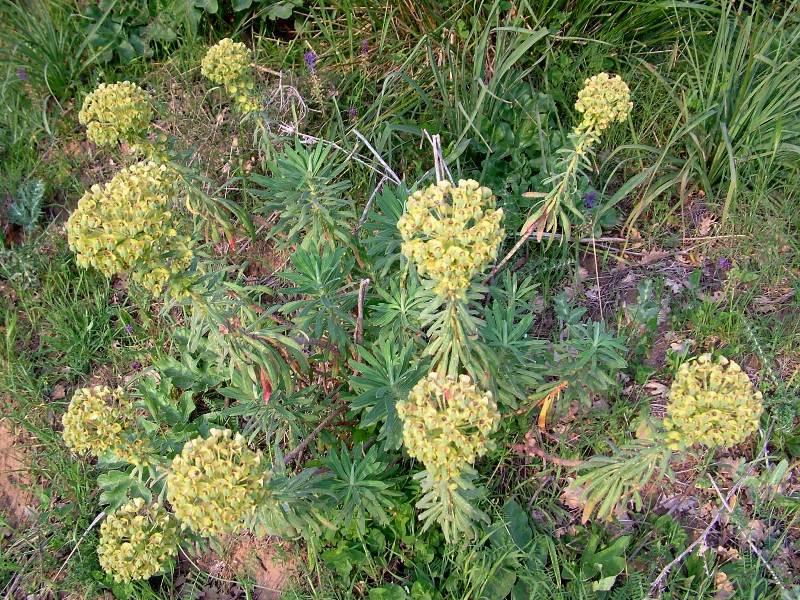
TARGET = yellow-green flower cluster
(604,99)
(227,63)
(137,541)
(116,112)
(712,402)
(128,226)
(215,483)
(447,423)
(95,420)
(451,233)
(99,420)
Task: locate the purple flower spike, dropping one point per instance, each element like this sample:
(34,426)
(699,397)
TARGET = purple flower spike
(364,47)
(590,199)
(22,74)
(136,365)
(724,264)
(129,328)
(352,112)
(311,60)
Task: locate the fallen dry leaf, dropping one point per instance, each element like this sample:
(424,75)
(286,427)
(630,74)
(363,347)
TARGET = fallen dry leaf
(706,224)
(59,392)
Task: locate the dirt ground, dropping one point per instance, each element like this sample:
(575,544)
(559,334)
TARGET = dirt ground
(15,501)
(267,562)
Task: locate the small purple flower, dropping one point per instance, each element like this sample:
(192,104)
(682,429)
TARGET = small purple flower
(352,112)
(128,328)
(136,365)
(364,47)
(590,198)
(311,61)
(22,74)
(724,264)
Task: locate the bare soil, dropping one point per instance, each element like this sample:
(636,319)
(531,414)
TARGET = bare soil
(16,502)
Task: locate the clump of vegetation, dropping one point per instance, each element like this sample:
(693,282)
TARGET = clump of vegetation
(95,420)
(447,423)
(409,301)
(451,233)
(227,63)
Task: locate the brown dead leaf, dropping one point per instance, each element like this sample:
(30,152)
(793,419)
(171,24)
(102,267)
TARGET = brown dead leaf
(654,388)
(724,586)
(59,392)
(706,224)
(756,531)
(572,496)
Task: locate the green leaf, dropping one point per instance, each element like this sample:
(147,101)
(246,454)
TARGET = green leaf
(605,584)
(388,591)
(518,524)
(241,4)
(26,209)
(385,377)
(118,486)
(499,584)
(283,9)
(210,6)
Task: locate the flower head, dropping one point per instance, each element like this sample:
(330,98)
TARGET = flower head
(95,420)
(451,233)
(711,402)
(227,63)
(215,483)
(99,421)
(447,423)
(115,112)
(604,99)
(128,226)
(137,541)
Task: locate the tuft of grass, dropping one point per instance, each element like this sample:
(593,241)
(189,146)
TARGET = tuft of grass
(739,109)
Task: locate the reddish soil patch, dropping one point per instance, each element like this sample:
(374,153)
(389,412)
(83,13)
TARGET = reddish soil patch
(15,500)
(268,562)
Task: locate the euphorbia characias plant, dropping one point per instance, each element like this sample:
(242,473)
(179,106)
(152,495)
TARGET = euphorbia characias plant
(604,100)
(228,63)
(451,233)
(712,403)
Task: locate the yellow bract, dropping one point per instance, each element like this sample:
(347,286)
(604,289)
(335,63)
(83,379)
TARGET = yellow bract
(447,423)
(93,423)
(116,112)
(451,233)
(216,483)
(604,99)
(136,541)
(712,402)
(128,226)
(99,420)
(227,63)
